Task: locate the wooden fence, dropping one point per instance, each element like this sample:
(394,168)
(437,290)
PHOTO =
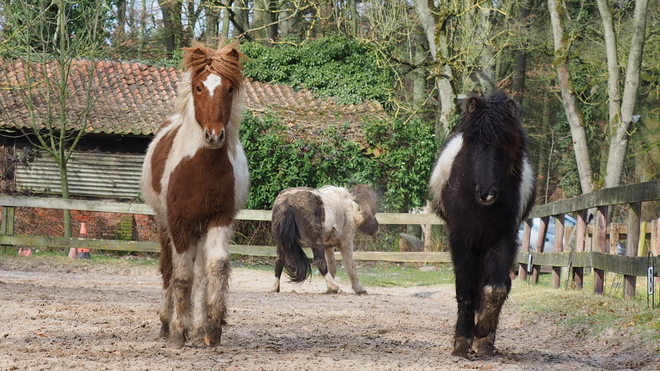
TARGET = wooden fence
(9,203)
(591,248)
(601,253)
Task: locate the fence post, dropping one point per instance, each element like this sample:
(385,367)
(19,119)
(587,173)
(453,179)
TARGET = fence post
(632,246)
(559,247)
(601,243)
(7,227)
(527,235)
(540,243)
(580,241)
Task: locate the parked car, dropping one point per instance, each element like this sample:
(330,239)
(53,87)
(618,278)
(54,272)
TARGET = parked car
(549,245)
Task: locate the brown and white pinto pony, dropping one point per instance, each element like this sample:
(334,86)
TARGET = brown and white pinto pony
(322,219)
(195,176)
(483,187)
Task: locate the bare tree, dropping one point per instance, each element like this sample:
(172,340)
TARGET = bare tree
(621,108)
(57,108)
(568,96)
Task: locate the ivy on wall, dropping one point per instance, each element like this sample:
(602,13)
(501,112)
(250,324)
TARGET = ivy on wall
(335,66)
(396,159)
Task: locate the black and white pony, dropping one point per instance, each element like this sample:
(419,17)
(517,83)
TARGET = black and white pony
(322,219)
(483,187)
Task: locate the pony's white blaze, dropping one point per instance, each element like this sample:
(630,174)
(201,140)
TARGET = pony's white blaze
(526,187)
(211,82)
(442,169)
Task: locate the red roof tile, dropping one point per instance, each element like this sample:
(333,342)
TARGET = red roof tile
(133,98)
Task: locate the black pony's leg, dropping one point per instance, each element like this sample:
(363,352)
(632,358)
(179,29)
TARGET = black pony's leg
(497,284)
(467,281)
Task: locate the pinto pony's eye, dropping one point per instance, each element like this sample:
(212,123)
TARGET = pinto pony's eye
(230,90)
(198,88)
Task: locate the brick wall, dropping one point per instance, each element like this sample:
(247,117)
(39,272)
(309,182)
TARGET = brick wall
(101,225)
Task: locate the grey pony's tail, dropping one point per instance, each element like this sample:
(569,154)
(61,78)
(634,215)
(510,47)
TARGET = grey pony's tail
(286,235)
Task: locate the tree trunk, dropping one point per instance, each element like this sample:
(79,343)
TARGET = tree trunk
(520,59)
(483,75)
(64,179)
(172,25)
(443,81)
(212,20)
(619,142)
(570,102)
(241,19)
(121,21)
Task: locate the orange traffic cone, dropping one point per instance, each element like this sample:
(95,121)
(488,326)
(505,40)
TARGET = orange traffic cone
(83,253)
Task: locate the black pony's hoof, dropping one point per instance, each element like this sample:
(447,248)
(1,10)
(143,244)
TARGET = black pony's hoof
(462,347)
(484,347)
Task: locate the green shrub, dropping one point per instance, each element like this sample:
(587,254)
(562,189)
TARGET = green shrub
(394,158)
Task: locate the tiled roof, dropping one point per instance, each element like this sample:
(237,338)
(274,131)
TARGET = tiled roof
(133,98)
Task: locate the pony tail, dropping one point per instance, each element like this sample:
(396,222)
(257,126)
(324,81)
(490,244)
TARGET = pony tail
(286,234)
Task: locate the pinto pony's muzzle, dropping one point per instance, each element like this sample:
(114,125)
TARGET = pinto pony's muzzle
(214,139)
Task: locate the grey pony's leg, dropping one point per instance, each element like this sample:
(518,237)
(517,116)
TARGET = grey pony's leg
(331,261)
(347,254)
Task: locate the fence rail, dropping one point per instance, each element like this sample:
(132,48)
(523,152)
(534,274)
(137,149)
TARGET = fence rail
(581,255)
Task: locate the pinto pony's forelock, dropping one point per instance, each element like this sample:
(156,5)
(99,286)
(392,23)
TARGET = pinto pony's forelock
(224,62)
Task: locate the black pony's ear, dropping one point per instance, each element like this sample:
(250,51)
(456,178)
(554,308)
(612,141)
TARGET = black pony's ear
(513,106)
(472,103)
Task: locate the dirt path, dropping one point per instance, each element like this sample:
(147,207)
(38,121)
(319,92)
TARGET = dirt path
(59,318)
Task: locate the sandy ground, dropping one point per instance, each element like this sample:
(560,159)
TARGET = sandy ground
(95,318)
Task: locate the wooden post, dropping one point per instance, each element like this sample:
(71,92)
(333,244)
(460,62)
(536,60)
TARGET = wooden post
(7,227)
(540,242)
(581,236)
(527,234)
(632,246)
(559,247)
(601,243)
(655,241)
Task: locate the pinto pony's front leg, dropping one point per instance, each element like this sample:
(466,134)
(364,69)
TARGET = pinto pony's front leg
(181,288)
(217,258)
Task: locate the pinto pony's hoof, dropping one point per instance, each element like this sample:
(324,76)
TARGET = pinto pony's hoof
(177,341)
(210,342)
(462,347)
(164,330)
(361,292)
(213,336)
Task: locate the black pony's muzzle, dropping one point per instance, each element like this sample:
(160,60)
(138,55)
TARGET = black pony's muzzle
(487,195)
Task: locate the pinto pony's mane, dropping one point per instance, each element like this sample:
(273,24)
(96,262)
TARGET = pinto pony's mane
(224,62)
(490,122)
